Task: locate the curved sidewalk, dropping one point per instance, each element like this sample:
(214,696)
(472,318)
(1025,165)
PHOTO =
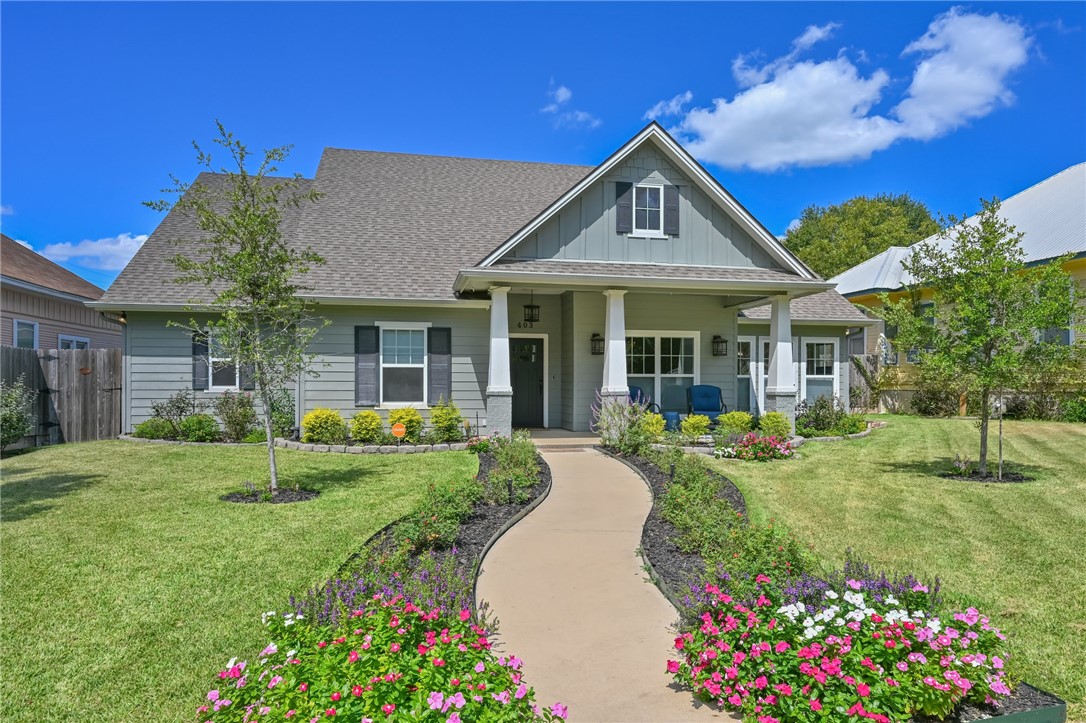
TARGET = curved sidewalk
(571,599)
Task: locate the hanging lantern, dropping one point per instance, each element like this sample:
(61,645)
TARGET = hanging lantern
(531,311)
(597,344)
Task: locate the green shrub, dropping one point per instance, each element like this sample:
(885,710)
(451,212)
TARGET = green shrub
(435,523)
(237,414)
(324,426)
(619,422)
(200,428)
(282,412)
(254,436)
(652,425)
(775,424)
(410,418)
(16,411)
(735,422)
(516,467)
(695,426)
(177,407)
(938,392)
(366,427)
(1073,409)
(155,428)
(446,422)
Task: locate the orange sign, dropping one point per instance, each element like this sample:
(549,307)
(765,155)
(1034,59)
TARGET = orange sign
(399,430)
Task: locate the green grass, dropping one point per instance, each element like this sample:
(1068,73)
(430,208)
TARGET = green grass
(1018,551)
(127,584)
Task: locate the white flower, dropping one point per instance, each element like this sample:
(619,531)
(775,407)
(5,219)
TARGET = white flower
(891,600)
(854,598)
(831,595)
(934,626)
(808,622)
(291,654)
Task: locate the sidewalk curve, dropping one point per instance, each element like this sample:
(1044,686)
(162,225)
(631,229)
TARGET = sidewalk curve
(572,601)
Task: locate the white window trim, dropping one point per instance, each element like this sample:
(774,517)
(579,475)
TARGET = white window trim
(647,232)
(211,386)
(657,376)
(15,332)
(546,373)
(836,375)
(72,339)
(404,326)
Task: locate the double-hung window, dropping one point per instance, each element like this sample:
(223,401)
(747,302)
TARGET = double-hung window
(222,368)
(25,334)
(648,217)
(403,366)
(663,365)
(66,341)
(819,375)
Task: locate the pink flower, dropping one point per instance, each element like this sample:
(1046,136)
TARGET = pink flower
(276,680)
(330,713)
(395,647)
(387,708)
(816,705)
(336,695)
(353,657)
(863,689)
(560,711)
(673,666)
(457,700)
(479,667)
(465,614)
(213,695)
(436,700)
(357,691)
(854,584)
(454,717)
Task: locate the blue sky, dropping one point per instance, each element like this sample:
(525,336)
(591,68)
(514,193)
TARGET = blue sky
(787,104)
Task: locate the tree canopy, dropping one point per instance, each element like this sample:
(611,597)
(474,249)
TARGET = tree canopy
(831,239)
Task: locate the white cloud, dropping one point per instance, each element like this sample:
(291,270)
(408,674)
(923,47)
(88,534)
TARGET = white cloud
(796,112)
(23,243)
(792,225)
(6,210)
(565,117)
(107,254)
(669,107)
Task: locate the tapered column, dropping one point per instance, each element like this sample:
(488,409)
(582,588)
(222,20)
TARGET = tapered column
(499,389)
(614,351)
(780,392)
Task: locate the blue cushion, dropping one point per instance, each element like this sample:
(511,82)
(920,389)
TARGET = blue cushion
(705,399)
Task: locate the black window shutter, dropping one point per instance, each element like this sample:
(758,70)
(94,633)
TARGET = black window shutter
(439,344)
(199,361)
(623,207)
(671,210)
(247,377)
(367,366)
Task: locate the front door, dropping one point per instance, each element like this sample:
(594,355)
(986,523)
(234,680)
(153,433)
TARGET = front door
(526,366)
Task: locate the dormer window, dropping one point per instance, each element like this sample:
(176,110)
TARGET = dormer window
(648,210)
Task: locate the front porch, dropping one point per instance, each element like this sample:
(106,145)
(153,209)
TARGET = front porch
(546,373)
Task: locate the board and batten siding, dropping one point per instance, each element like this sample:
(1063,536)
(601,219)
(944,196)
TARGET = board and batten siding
(54,317)
(585,229)
(703,315)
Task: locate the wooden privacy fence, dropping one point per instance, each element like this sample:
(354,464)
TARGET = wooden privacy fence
(79,392)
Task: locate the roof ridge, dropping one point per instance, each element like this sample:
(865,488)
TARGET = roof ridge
(454,158)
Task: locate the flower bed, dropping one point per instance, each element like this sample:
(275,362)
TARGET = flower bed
(748,587)
(418,649)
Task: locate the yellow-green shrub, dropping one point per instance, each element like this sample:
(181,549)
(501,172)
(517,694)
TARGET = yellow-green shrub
(446,424)
(695,425)
(735,422)
(775,424)
(324,426)
(652,425)
(410,418)
(366,426)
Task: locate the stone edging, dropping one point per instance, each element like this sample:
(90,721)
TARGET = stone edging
(858,435)
(371,448)
(508,525)
(658,581)
(130,438)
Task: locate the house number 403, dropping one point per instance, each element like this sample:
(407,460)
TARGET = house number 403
(525,324)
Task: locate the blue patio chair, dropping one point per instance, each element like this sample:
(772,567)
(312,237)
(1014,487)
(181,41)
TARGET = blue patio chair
(706,399)
(637,395)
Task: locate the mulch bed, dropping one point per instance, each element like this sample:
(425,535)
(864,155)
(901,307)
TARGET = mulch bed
(676,568)
(1025,697)
(282,497)
(1008,477)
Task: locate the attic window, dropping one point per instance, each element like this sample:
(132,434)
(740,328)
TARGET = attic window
(648,210)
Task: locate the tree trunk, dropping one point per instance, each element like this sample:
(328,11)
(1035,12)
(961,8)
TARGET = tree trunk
(985,413)
(269,435)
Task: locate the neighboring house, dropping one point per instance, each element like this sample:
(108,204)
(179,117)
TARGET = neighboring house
(518,290)
(42,304)
(1052,217)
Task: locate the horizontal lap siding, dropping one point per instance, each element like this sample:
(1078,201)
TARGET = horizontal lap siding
(55,317)
(806,331)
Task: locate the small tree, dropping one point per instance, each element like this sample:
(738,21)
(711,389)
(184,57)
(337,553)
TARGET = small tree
(250,273)
(989,310)
(16,411)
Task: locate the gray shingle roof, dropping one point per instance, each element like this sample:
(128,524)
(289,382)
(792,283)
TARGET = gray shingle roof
(1051,214)
(823,306)
(23,264)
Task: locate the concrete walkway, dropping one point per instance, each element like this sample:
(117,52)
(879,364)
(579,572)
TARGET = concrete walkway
(572,600)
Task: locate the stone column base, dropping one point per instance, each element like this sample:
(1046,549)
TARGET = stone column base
(783,402)
(499,413)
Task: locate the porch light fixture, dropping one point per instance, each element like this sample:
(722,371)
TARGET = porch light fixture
(597,344)
(720,346)
(531,310)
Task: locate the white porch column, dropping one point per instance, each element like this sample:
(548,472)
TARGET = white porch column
(499,388)
(780,392)
(614,351)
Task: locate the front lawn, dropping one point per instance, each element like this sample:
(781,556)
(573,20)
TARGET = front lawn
(126,583)
(1018,551)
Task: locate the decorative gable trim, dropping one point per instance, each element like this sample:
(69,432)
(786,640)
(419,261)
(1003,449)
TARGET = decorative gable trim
(678,155)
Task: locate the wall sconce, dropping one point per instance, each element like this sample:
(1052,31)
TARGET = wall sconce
(720,346)
(597,344)
(531,310)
